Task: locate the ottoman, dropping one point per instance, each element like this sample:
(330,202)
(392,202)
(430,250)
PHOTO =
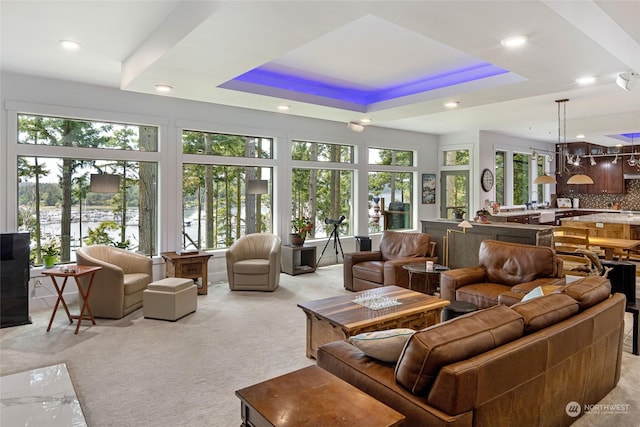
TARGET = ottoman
(169,299)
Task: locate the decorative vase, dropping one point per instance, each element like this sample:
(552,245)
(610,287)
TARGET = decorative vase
(49,260)
(295,239)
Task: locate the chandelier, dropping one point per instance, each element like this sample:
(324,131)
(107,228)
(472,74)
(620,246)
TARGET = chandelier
(578,178)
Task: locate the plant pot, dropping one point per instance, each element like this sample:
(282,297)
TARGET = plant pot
(295,239)
(49,260)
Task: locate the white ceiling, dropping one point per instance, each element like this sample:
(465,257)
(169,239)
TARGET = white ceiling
(196,47)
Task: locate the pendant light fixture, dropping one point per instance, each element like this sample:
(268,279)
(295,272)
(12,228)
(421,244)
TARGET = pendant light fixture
(562,120)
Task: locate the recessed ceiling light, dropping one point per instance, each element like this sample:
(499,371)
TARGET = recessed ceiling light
(283,107)
(587,80)
(515,41)
(163,88)
(69,44)
(580,136)
(365,120)
(451,104)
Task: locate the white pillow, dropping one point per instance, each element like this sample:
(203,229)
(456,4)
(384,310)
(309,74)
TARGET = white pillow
(383,345)
(533,293)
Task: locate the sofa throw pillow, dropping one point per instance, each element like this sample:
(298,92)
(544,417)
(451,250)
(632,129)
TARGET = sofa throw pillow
(588,291)
(430,349)
(539,313)
(383,345)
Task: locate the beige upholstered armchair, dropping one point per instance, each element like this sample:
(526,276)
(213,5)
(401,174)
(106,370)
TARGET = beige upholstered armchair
(117,288)
(253,263)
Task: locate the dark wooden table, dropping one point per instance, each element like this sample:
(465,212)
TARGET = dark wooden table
(188,266)
(312,396)
(75,271)
(432,277)
(338,318)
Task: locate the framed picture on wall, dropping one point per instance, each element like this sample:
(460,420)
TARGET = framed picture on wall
(428,188)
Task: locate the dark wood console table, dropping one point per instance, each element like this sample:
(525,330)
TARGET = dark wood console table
(188,266)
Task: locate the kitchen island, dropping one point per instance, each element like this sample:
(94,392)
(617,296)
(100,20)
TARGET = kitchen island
(614,225)
(460,248)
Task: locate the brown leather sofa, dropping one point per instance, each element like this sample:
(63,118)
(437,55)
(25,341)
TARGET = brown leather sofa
(501,366)
(373,269)
(503,267)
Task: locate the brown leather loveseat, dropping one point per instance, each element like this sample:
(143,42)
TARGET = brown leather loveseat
(373,269)
(501,366)
(503,268)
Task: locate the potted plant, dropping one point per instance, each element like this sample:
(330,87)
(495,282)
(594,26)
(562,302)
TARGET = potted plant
(301,227)
(50,252)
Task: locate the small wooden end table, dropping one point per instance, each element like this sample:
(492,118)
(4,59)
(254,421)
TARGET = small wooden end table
(188,266)
(76,272)
(338,318)
(312,396)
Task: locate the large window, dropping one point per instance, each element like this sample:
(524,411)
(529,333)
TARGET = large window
(521,178)
(57,202)
(390,191)
(220,201)
(323,193)
(501,157)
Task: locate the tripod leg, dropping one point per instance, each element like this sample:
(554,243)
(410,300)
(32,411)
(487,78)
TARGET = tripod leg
(325,248)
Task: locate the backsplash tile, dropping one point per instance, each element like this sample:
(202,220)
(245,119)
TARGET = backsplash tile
(628,201)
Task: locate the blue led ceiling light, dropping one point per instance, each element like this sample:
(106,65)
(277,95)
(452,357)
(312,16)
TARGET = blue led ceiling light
(262,77)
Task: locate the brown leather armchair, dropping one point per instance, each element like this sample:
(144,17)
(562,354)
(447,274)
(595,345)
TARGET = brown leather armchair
(503,268)
(373,269)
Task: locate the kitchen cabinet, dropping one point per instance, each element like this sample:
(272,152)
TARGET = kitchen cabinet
(607,177)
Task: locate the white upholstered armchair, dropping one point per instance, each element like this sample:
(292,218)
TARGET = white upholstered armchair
(117,288)
(253,263)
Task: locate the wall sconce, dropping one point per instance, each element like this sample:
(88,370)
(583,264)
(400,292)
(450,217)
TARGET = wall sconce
(464,225)
(257,186)
(593,161)
(104,183)
(615,161)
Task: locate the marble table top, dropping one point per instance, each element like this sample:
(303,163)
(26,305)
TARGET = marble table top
(40,397)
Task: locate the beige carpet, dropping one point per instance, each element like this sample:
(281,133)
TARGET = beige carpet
(140,372)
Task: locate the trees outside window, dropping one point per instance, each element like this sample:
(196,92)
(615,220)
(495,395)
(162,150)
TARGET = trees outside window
(322,192)
(521,174)
(217,207)
(390,189)
(54,198)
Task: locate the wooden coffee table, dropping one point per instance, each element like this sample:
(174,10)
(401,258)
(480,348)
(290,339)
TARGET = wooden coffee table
(338,318)
(312,396)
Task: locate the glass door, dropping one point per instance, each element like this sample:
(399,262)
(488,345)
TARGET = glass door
(454,199)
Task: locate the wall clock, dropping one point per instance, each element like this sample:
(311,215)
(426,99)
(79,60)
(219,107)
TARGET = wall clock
(486,180)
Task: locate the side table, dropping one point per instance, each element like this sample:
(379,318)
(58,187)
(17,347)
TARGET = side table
(312,396)
(432,279)
(76,272)
(298,259)
(188,266)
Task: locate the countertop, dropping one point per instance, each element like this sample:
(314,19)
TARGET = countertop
(558,210)
(611,218)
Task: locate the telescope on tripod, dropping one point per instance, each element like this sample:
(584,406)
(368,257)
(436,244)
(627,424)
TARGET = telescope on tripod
(335,235)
